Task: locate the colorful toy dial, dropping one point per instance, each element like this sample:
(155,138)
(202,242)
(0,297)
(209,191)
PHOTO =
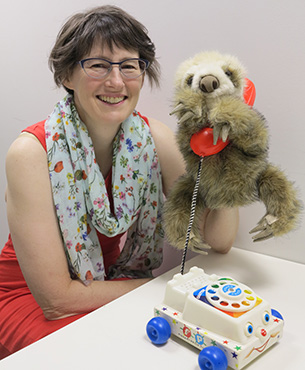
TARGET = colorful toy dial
(228,295)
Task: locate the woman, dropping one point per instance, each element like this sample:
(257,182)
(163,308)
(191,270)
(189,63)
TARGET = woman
(94,171)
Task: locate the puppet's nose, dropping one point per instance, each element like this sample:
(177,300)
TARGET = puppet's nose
(208,84)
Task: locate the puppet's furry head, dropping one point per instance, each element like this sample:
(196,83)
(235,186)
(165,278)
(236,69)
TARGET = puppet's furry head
(209,75)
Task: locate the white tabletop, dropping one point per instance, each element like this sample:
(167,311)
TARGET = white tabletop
(114,336)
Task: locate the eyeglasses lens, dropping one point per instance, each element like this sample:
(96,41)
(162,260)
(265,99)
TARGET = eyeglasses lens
(98,68)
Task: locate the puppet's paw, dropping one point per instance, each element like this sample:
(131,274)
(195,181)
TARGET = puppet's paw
(220,131)
(196,244)
(186,113)
(264,228)
(174,224)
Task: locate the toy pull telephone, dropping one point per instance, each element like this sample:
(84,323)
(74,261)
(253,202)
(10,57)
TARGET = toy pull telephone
(220,316)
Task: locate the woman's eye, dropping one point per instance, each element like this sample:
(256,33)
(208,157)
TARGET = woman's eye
(129,66)
(99,66)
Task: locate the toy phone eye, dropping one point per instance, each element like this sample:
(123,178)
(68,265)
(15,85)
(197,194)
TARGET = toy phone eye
(266,317)
(249,329)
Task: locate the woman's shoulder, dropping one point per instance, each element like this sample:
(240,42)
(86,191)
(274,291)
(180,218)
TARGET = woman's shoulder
(28,146)
(29,143)
(26,168)
(38,130)
(160,131)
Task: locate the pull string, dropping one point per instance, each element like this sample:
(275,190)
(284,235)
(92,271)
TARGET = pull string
(192,215)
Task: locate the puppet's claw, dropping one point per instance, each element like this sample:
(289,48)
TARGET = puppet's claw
(199,250)
(186,114)
(220,131)
(178,109)
(198,245)
(195,244)
(263,235)
(186,117)
(264,228)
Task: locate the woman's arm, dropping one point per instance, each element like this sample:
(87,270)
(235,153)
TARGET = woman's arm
(219,227)
(37,239)
(171,159)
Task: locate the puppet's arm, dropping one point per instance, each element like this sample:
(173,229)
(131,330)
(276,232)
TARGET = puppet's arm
(282,205)
(230,117)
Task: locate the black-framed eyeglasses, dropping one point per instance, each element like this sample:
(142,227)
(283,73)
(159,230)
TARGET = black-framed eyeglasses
(99,68)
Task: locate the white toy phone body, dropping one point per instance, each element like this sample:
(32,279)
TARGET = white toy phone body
(212,311)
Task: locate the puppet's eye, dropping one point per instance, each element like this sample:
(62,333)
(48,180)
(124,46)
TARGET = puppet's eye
(189,80)
(228,73)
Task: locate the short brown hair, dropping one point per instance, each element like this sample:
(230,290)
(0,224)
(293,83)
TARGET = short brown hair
(110,24)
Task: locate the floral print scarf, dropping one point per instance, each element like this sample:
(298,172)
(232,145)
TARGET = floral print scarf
(82,202)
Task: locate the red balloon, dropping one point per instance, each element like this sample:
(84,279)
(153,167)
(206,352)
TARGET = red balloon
(202,143)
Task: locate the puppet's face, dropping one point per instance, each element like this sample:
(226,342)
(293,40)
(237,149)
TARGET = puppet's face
(207,76)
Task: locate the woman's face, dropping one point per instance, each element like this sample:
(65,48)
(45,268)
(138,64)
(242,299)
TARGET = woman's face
(109,100)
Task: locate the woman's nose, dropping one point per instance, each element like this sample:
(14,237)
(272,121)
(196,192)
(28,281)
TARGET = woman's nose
(115,78)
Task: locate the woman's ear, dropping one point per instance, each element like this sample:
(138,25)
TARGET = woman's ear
(67,83)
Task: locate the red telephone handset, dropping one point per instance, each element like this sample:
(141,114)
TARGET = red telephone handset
(249,92)
(202,142)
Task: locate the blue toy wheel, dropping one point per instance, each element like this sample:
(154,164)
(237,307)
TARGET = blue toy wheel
(276,313)
(212,358)
(158,330)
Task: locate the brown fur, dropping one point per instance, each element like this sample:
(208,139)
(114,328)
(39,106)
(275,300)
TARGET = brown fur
(238,175)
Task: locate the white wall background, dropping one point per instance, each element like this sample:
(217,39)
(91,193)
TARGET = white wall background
(268,36)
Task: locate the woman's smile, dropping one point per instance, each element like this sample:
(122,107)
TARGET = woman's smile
(112,100)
